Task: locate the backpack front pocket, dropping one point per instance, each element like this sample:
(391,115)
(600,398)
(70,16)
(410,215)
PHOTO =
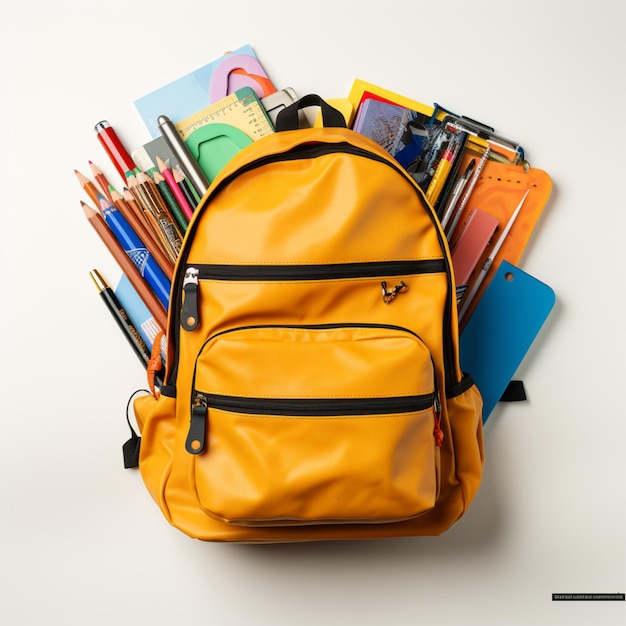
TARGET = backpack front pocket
(342,425)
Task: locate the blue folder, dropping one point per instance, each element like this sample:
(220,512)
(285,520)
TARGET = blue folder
(501,329)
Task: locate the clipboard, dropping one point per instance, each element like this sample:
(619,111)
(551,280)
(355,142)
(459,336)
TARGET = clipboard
(497,192)
(504,325)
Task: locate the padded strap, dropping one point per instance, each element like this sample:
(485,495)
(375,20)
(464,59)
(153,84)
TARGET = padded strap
(288,118)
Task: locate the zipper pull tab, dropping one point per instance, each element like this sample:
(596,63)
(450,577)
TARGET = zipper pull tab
(189,318)
(437,432)
(196,438)
(389,296)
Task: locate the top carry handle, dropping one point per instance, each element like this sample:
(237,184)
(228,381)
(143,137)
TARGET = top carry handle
(288,118)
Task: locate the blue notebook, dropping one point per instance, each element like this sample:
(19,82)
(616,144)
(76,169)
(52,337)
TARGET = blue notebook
(502,328)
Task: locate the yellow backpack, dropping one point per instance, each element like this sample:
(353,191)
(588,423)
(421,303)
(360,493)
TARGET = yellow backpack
(313,388)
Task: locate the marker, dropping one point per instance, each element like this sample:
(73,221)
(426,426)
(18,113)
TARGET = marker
(439,177)
(112,145)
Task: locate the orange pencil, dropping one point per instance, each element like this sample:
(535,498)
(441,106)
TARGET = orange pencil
(101,179)
(148,220)
(127,266)
(132,203)
(149,192)
(143,233)
(159,220)
(88,186)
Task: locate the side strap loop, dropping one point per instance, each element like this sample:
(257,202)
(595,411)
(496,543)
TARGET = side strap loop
(130,450)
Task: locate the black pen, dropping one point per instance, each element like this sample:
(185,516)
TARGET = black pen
(123,321)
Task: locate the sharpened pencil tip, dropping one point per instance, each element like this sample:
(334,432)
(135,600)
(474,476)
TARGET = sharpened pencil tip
(89,211)
(161,163)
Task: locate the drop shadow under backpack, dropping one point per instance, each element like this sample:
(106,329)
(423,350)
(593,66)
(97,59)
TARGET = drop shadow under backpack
(312,388)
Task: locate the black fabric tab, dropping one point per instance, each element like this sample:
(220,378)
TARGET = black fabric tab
(514,392)
(130,450)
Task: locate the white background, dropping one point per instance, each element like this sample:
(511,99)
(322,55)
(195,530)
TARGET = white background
(83,543)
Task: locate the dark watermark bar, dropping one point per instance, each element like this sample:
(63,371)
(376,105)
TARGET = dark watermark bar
(588,597)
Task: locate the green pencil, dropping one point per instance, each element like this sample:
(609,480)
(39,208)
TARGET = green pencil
(170,200)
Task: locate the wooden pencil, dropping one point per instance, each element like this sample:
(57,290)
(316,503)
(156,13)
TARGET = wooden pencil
(126,265)
(174,188)
(171,201)
(146,236)
(88,187)
(159,220)
(159,209)
(101,179)
(181,181)
(129,198)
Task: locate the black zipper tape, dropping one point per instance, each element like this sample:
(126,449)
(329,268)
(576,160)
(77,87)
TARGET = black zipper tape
(319,407)
(316,271)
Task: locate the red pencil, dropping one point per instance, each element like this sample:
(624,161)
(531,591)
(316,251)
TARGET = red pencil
(171,183)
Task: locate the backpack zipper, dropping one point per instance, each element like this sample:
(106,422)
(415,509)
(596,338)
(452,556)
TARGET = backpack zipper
(190,313)
(317,407)
(307,407)
(317,271)
(313,150)
(302,408)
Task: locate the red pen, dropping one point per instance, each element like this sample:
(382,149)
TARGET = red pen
(114,148)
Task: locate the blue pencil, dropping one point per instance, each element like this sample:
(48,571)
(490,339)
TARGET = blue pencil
(137,251)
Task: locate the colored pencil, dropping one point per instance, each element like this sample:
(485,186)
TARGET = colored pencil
(171,183)
(149,193)
(187,191)
(130,200)
(170,200)
(145,234)
(146,217)
(101,179)
(158,225)
(88,187)
(137,250)
(153,304)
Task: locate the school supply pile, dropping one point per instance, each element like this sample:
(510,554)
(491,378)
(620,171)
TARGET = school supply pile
(291,292)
